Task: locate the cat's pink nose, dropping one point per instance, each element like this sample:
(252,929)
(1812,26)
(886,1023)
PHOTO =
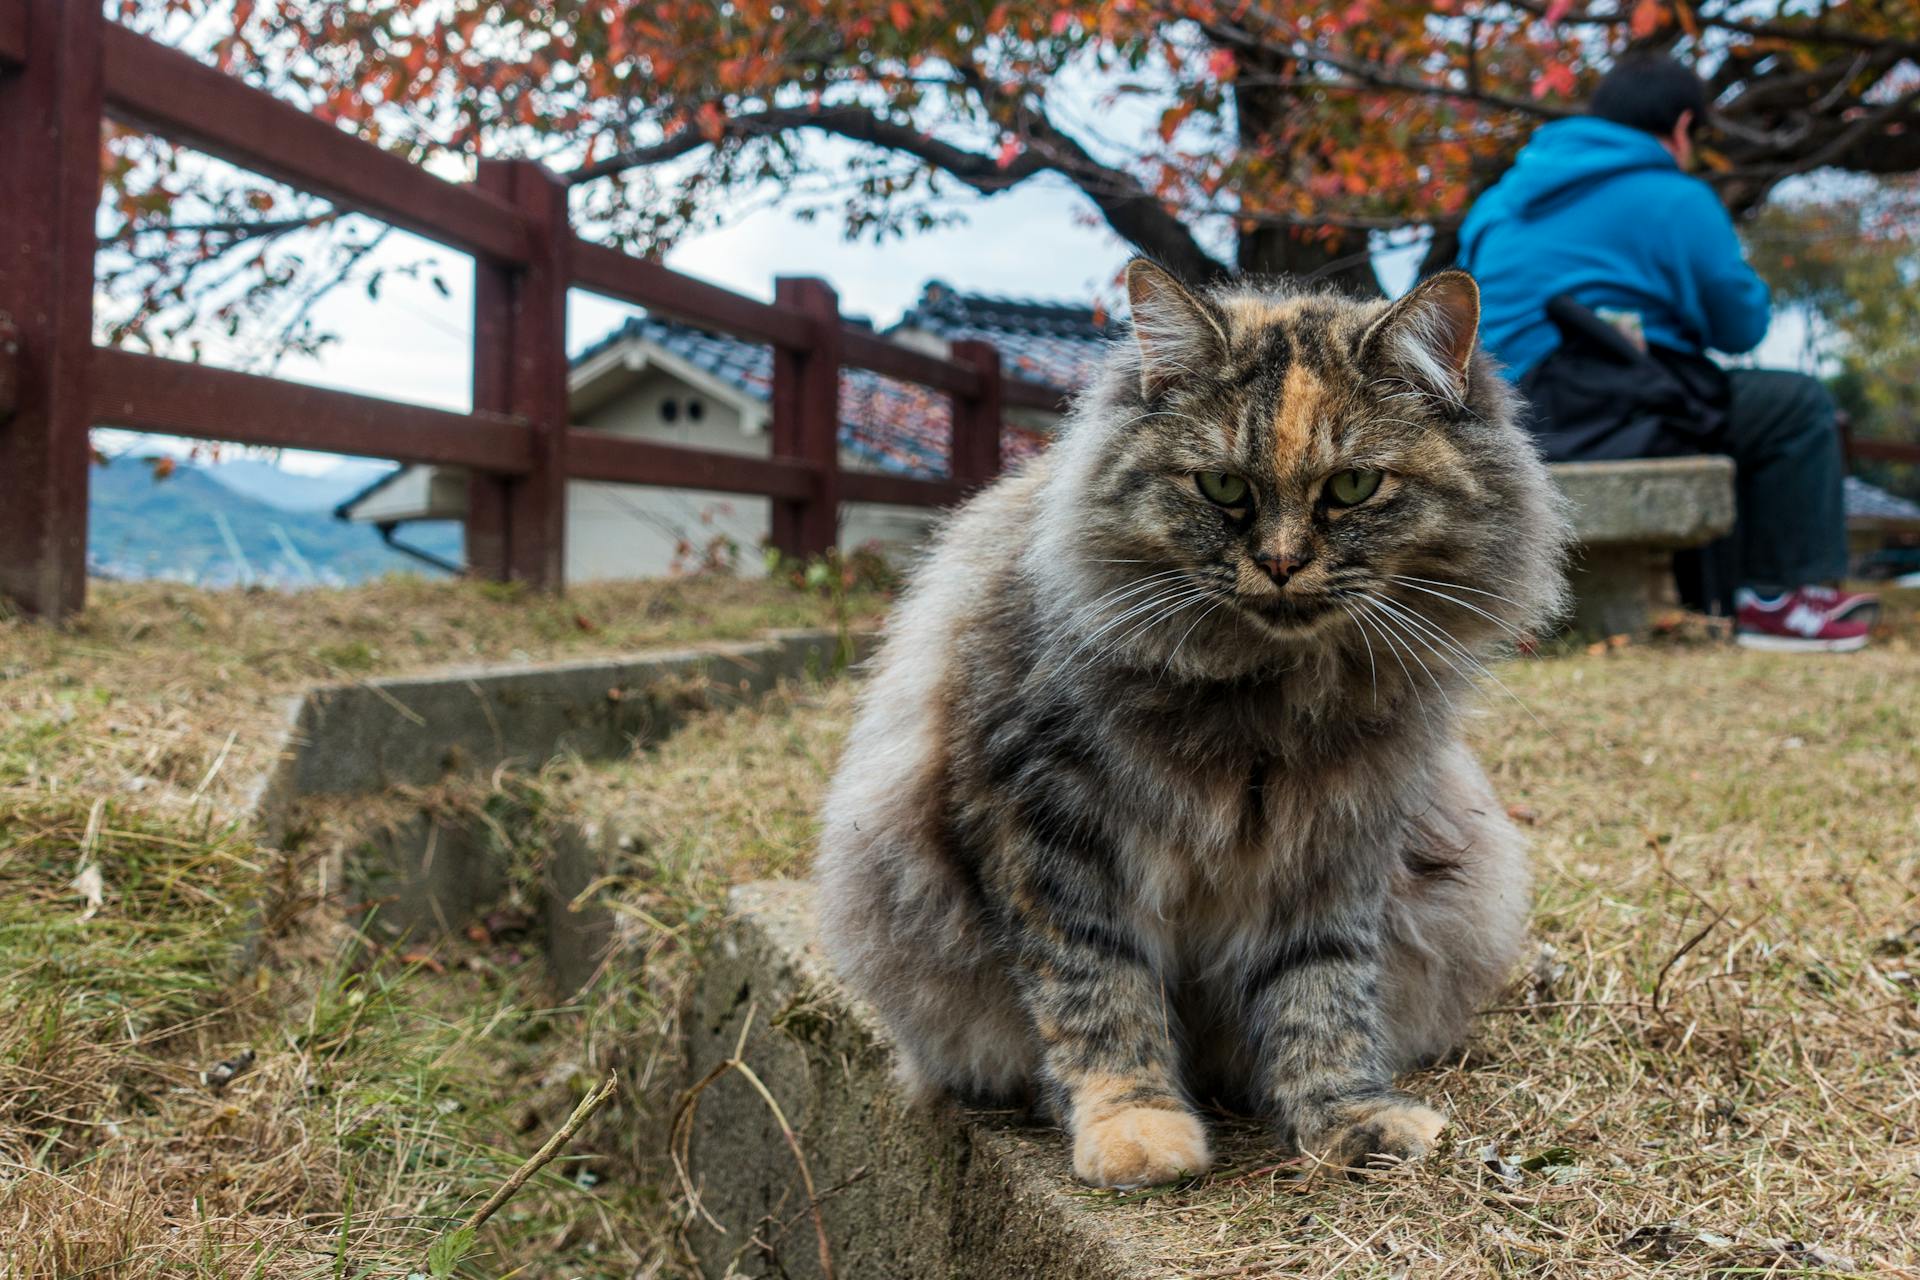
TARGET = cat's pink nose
(1283,565)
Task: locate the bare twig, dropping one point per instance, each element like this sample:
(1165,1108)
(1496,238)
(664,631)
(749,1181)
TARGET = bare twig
(680,1138)
(551,1148)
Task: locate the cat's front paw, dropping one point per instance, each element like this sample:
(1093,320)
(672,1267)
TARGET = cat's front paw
(1140,1146)
(1383,1133)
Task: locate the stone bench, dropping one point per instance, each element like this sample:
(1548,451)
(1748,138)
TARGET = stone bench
(1630,517)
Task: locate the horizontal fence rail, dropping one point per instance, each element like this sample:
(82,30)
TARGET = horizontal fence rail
(64,67)
(172,397)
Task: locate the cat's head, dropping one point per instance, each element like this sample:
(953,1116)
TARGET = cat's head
(1272,470)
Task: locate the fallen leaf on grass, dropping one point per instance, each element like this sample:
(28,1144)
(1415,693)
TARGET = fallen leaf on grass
(222,1074)
(92,887)
(1544,974)
(1501,1167)
(1664,1240)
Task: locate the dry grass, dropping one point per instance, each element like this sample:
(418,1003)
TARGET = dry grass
(389,1088)
(1716,1067)
(172,696)
(1718,1071)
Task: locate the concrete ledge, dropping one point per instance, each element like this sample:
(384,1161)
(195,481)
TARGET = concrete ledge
(903,1192)
(356,739)
(415,729)
(1630,516)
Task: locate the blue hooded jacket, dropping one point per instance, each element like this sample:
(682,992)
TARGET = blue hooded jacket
(1601,211)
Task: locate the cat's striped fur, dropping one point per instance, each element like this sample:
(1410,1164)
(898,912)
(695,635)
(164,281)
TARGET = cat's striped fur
(1127,823)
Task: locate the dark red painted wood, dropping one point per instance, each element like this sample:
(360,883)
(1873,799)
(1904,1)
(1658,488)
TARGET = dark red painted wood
(61,65)
(977,418)
(517,523)
(863,350)
(806,417)
(50,177)
(148,393)
(661,289)
(157,88)
(597,455)
(1018,393)
(13,32)
(904,491)
(1883,451)
(9,367)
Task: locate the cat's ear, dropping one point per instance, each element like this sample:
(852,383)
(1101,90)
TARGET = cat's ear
(1177,332)
(1428,335)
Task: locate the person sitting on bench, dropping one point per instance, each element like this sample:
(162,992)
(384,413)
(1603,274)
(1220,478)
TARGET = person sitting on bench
(1606,272)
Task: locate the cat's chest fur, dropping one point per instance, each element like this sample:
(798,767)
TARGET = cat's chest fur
(1237,811)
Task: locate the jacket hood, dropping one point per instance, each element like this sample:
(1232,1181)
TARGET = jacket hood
(1566,157)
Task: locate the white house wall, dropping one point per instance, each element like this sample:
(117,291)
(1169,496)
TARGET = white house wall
(639,531)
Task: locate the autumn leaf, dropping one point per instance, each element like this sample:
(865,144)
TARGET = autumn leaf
(1556,79)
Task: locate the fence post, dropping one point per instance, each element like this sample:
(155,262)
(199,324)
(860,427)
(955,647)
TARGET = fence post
(977,418)
(806,418)
(516,525)
(50,173)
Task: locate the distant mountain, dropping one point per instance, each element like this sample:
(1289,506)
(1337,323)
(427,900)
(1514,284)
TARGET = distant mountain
(140,527)
(295,491)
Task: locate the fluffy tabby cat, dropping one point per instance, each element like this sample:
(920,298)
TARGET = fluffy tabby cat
(1157,795)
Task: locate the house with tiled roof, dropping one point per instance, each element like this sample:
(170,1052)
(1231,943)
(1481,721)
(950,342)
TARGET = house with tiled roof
(658,379)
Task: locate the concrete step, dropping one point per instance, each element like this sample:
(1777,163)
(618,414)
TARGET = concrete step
(901,1192)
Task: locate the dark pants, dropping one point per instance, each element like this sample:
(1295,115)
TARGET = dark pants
(1790,527)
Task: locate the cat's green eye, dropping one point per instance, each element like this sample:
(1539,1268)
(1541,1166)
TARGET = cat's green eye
(1351,488)
(1221,488)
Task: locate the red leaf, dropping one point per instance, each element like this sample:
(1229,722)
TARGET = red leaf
(1558,10)
(1009,152)
(1557,78)
(1220,63)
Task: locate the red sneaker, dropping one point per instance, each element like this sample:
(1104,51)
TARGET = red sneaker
(1797,622)
(1856,606)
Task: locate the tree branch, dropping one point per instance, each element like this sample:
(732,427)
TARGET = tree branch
(1128,207)
(1811,33)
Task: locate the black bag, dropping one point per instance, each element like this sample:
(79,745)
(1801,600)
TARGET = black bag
(1600,397)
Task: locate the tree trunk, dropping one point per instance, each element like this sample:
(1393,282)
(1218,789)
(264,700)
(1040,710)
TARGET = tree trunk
(1340,257)
(1262,105)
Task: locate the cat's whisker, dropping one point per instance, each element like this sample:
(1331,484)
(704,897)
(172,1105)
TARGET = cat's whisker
(1458,586)
(1160,413)
(1394,649)
(1502,623)
(1173,606)
(1151,591)
(1429,625)
(1154,600)
(1167,670)
(1170,605)
(1387,619)
(1372,672)
(1090,611)
(1442,653)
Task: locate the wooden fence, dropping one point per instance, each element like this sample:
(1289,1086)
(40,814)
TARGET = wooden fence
(63,67)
